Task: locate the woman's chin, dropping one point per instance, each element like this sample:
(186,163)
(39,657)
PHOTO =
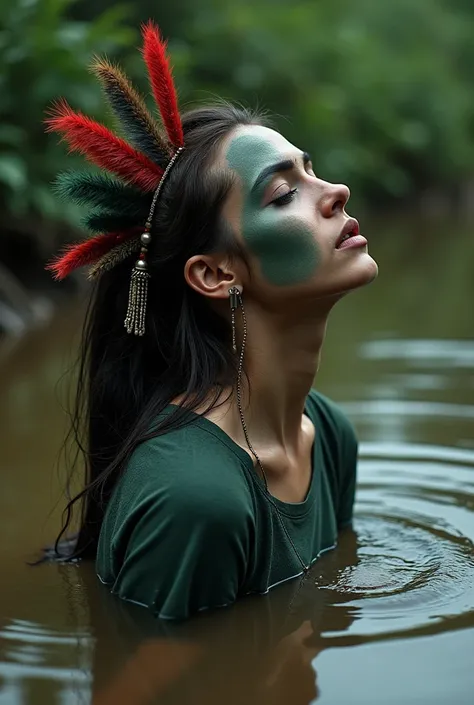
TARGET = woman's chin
(359,274)
(370,269)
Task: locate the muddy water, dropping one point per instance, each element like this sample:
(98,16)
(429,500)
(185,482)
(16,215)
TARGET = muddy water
(386,618)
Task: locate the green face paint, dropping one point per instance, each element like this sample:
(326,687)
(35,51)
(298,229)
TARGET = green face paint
(282,242)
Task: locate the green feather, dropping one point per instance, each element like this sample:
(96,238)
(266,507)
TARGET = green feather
(103,191)
(102,221)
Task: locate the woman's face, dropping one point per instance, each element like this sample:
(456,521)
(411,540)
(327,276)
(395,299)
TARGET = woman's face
(289,220)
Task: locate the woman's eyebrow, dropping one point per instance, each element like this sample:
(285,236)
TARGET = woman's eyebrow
(284,165)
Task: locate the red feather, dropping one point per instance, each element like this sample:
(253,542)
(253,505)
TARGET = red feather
(103,148)
(87,252)
(162,84)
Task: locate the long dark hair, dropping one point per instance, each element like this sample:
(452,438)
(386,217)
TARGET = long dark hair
(123,381)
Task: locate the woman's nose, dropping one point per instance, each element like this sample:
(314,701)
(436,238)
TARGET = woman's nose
(334,199)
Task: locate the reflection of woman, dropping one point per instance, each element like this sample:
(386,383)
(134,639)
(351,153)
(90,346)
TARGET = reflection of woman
(213,470)
(261,651)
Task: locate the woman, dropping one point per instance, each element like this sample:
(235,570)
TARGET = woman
(213,469)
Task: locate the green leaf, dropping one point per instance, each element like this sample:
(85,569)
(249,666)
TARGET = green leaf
(11,134)
(13,172)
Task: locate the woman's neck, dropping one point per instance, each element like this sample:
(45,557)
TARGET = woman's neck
(281,359)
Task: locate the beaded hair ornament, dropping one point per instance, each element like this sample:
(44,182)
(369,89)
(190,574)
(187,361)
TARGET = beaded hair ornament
(142,163)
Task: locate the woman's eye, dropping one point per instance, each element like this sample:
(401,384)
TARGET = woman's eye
(285,199)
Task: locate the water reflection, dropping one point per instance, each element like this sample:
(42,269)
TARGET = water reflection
(41,665)
(263,650)
(422,353)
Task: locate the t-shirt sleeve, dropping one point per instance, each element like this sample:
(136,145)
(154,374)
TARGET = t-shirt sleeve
(348,473)
(342,446)
(184,547)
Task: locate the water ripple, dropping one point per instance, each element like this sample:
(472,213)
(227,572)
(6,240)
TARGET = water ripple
(404,407)
(33,651)
(414,571)
(445,353)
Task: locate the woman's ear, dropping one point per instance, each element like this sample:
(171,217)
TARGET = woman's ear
(210,276)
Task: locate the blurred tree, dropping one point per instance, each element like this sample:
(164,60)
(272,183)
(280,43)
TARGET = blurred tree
(379,92)
(44,55)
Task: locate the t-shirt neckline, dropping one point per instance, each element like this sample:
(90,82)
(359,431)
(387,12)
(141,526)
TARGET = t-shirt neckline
(291,509)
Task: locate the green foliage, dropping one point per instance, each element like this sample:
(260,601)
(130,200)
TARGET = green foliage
(378,92)
(43,55)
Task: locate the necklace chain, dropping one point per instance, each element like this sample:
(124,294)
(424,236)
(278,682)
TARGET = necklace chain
(268,496)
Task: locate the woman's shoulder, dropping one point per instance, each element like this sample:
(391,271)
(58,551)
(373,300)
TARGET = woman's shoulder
(182,515)
(189,461)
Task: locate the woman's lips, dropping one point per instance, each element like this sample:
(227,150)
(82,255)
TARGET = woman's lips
(350,227)
(349,236)
(353,241)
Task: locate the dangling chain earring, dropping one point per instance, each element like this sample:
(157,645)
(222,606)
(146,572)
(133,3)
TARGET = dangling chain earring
(235,301)
(235,296)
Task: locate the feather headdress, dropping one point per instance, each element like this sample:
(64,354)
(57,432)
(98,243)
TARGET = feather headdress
(139,161)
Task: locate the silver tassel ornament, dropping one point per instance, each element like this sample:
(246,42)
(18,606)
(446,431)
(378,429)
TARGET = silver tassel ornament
(138,292)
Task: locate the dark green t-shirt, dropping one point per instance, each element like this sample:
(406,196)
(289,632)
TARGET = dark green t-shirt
(189,526)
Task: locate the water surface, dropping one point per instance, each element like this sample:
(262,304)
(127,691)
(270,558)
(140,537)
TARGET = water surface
(386,618)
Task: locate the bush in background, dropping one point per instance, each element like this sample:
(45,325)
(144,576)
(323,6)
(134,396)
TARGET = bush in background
(44,54)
